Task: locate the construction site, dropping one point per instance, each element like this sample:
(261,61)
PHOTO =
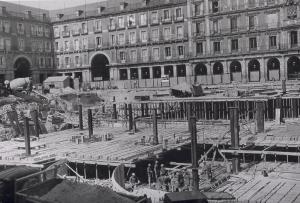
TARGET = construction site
(216,144)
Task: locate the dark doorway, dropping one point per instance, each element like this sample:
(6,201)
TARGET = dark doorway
(156,72)
(293,68)
(123,74)
(100,69)
(145,73)
(181,71)
(200,69)
(22,68)
(273,66)
(79,76)
(254,70)
(235,71)
(169,71)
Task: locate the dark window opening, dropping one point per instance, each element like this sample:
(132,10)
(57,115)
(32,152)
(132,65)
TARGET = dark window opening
(123,74)
(169,71)
(134,74)
(156,72)
(218,68)
(200,69)
(181,71)
(294,38)
(145,73)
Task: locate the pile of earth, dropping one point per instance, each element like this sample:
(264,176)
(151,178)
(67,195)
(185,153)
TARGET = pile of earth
(70,192)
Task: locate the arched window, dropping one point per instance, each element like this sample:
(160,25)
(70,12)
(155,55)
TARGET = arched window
(200,69)
(218,68)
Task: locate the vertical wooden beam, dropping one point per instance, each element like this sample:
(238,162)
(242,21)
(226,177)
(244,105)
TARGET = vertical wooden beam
(283,84)
(115,116)
(27,136)
(195,174)
(90,122)
(155,131)
(278,110)
(142,110)
(80,117)
(260,118)
(130,116)
(235,140)
(36,123)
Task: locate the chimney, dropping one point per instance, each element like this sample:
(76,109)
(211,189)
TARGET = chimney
(60,15)
(123,5)
(79,12)
(100,9)
(29,14)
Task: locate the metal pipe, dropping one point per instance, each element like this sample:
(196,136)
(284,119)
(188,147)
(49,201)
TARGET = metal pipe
(80,117)
(27,136)
(90,122)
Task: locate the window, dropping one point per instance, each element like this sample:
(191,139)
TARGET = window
(168,53)
(1,60)
(215,6)
(272,20)
(200,28)
(167,33)
(57,62)
(199,9)
(121,22)
(251,22)
(76,44)
(6,27)
(7,44)
(67,45)
(199,48)
(155,35)
(156,72)
(47,46)
(144,19)
(99,41)
(215,26)
(234,45)
(112,39)
(40,30)
(132,37)
(77,60)
(112,24)
(134,74)
(21,44)
(217,47)
(251,3)
(272,41)
(178,13)
(294,38)
(56,31)
(133,56)
(123,74)
(121,39)
(233,24)
(180,51)
(85,59)
(179,32)
(234,4)
(98,25)
(252,43)
(56,46)
(131,20)
(145,73)
(42,62)
(122,56)
(85,43)
(67,61)
(84,28)
(20,28)
(154,17)
(166,15)
(144,36)
(34,31)
(47,31)
(145,55)
(155,54)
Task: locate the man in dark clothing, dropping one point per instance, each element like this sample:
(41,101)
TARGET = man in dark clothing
(163,171)
(149,174)
(156,170)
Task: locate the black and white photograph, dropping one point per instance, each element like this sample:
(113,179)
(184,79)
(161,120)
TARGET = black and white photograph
(150,101)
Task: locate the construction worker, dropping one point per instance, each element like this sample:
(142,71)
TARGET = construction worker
(133,181)
(186,181)
(149,174)
(163,171)
(156,170)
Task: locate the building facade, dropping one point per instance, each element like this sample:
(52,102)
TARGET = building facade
(136,43)
(25,43)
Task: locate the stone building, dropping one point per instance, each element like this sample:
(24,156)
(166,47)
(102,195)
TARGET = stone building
(124,43)
(245,40)
(25,42)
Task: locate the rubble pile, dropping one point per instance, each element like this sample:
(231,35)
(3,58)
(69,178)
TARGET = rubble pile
(69,192)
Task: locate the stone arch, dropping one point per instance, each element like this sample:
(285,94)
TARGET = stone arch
(235,71)
(99,67)
(254,70)
(200,69)
(22,66)
(273,69)
(293,67)
(218,68)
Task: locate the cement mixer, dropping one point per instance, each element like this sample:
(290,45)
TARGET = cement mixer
(20,85)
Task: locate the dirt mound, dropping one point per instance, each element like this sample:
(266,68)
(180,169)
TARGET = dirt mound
(69,192)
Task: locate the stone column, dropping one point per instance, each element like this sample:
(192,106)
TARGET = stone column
(244,71)
(262,70)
